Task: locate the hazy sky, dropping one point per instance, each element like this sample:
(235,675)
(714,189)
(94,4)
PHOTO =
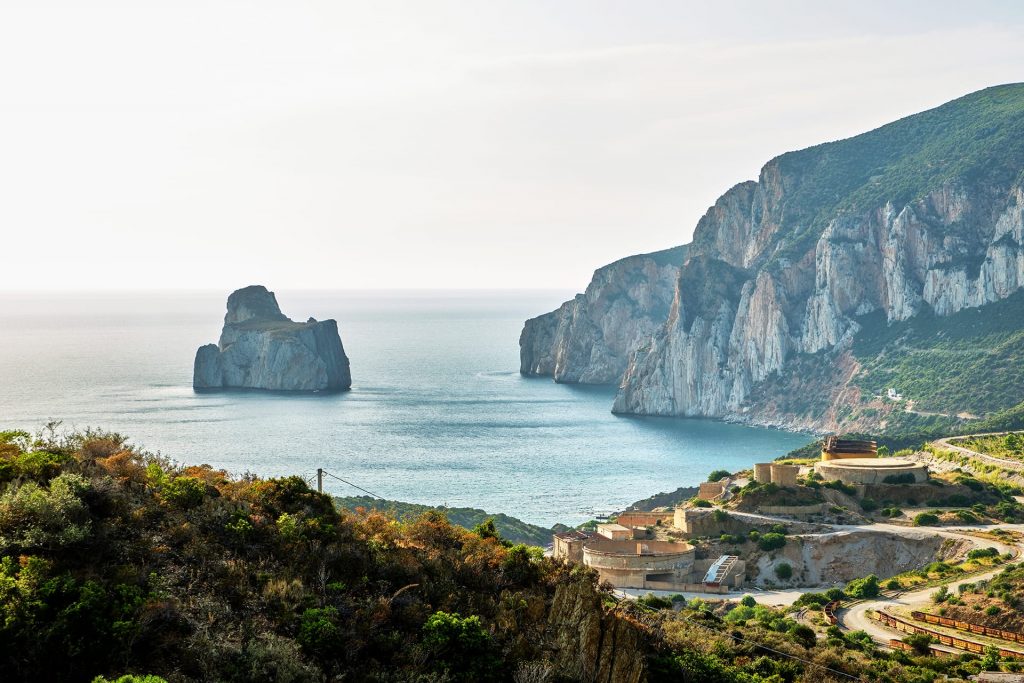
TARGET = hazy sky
(430,144)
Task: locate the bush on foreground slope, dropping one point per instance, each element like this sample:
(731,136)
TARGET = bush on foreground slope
(116,562)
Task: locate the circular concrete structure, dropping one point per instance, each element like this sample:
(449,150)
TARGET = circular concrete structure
(873,470)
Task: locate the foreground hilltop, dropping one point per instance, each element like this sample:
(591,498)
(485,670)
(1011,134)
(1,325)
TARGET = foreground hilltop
(834,277)
(114,561)
(261,348)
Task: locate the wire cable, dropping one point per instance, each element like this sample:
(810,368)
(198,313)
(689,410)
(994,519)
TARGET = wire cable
(353,485)
(778,652)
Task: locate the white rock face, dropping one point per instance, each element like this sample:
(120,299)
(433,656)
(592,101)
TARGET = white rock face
(958,247)
(589,340)
(261,348)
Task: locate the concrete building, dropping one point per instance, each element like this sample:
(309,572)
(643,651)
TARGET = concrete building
(711,490)
(569,545)
(633,518)
(784,475)
(763,472)
(614,532)
(856,471)
(635,564)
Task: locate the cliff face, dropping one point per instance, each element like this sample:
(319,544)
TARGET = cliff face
(589,340)
(923,214)
(261,348)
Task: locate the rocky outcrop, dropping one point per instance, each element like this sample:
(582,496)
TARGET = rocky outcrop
(918,215)
(828,559)
(589,339)
(261,348)
(590,643)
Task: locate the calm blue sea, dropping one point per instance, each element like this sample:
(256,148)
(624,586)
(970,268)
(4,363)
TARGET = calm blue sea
(438,413)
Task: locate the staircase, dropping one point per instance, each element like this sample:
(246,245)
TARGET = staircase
(719,569)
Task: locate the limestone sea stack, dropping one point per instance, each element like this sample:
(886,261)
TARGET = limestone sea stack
(261,348)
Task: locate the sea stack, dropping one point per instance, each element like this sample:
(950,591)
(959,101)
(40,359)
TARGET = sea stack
(261,348)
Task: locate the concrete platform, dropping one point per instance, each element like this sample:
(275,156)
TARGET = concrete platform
(871,470)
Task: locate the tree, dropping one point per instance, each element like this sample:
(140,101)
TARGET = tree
(718,475)
(863,588)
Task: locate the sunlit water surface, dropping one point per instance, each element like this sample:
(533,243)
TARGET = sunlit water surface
(437,414)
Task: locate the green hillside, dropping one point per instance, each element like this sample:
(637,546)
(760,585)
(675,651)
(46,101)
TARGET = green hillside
(511,528)
(972,361)
(978,138)
(116,562)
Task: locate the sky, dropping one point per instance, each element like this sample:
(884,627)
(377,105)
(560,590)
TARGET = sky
(431,144)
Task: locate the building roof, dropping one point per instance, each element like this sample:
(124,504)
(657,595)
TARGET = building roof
(572,535)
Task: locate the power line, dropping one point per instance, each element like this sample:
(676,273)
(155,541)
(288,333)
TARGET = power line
(778,652)
(353,485)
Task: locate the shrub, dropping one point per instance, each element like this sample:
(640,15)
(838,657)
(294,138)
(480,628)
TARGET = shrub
(783,571)
(654,602)
(32,517)
(748,601)
(992,610)
(319,633)
(979,553)
(804,635)
(184,492)
(899,479)
(771,541)
(863,588)
(39,465)
(460,644)
(718,475)
(926,519)
(720,515)
(868,505)
(700,503)
(921,642)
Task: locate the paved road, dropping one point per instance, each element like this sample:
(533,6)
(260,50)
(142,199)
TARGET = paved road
(990,459)
(856,618)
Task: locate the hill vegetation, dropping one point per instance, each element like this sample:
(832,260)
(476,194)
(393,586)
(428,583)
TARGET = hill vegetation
(115,562)
(510,528)
(972,361)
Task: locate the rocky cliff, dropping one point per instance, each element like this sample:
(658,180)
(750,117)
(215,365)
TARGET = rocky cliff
(923,215)
(261,348)
(589,339)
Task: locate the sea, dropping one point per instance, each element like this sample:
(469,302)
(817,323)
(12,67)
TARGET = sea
(437,414)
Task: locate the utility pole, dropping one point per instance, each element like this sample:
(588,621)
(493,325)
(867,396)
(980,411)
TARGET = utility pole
(319,479)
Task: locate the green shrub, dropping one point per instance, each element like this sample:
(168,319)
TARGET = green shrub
(748,601)
(783,571)
(460,644)
(863,588)
(804,635)
(718,475)
(319,633)
(184,492)
(771,541)
(979,553)
(32,517)
(899,479)
(926,519)
(39,465)
(700,503)
(921,642)
(654,602)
